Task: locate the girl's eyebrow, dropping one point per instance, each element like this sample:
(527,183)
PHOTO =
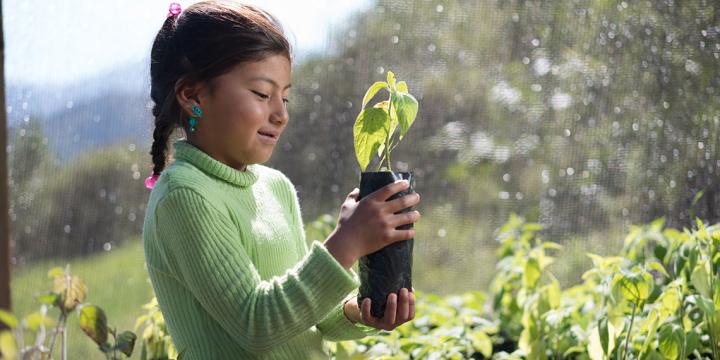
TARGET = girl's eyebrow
(263,78)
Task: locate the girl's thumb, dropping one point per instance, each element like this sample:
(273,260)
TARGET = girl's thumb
(354,194)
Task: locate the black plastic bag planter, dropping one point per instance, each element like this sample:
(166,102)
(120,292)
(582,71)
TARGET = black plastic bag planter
(389,269)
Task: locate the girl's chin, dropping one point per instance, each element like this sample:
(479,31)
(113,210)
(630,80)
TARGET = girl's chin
(262,157)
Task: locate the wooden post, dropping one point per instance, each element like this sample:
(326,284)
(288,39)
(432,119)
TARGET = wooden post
(4,191)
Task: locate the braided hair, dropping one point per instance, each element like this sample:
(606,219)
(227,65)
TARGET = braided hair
(202,42)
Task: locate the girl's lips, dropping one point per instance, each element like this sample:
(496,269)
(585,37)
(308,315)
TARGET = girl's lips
(266,139)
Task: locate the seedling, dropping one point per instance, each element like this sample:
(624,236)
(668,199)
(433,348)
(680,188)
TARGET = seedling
(375,127)
(377,131)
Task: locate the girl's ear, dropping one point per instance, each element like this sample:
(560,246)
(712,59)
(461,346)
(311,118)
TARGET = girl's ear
(188,94)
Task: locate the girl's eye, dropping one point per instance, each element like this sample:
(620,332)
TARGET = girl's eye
(286,101)
(260,94)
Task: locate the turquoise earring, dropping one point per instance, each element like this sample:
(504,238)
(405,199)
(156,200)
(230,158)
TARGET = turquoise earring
(193,120)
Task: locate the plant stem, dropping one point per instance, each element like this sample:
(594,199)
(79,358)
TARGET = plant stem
(711,326)
(380,163)
(64,343)
(58,328)
(387,139)
(115,341)
(627,339)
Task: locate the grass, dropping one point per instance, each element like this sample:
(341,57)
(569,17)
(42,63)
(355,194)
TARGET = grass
(116,281)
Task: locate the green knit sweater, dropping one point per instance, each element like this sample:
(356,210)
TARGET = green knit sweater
(233,274)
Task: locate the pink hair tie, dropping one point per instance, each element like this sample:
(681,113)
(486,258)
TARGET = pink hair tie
(150,181)
(174,9)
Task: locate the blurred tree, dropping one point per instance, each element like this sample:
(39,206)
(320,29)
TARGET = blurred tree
(580,114)
(89,204)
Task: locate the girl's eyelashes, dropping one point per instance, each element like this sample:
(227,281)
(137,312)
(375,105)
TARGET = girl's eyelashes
(266,96)
(260,94)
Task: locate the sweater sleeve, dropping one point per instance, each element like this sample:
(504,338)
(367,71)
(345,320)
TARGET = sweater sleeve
(206,253)
(336,326)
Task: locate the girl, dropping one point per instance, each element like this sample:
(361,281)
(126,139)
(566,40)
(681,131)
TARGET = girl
(223,235)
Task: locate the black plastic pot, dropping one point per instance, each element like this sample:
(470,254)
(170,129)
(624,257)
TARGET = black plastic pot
(389,269)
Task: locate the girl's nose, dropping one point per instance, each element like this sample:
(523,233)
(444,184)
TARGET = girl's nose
(280,115)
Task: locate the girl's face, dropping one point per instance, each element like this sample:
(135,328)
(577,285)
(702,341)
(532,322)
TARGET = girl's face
(244,118)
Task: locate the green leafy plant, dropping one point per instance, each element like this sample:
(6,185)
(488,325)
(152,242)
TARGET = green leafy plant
(156,341)
(68,294)
(658,298)
(375,127)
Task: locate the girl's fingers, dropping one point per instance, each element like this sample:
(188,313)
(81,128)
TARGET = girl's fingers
(411,312)
(390,310)
(367,318)
(403,202)
(398,310)
(403,306)
(405,218)
(389,190)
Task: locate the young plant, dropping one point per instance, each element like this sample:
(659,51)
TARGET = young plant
(155,338)
(375,127)
(68,294)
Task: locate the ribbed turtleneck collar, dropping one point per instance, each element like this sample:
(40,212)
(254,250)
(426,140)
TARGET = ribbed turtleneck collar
(182,149)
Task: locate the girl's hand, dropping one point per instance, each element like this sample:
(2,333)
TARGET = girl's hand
(367,225)
(397,311)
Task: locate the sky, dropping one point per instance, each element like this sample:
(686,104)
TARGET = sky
(56,41)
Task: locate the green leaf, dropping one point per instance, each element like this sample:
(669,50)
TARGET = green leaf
(401,86)
(126,342)
(481,342)
(8,319)
(406,107)
(49,299)
(659,268)
(654,355)
(531,274)
(604,334)
(669,302)
(372,90)
(650,329)
(660,252)
(701,279)
(55,272)
(369,132)
(393,119)
(35,320)
(706,305)
(391,79)
(635,285)
(672,339)
(554,294)
(692,342)
(8,346)
(93,323)
(595,348)
(697,197)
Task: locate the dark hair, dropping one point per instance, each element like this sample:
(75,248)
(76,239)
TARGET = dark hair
(204,41)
